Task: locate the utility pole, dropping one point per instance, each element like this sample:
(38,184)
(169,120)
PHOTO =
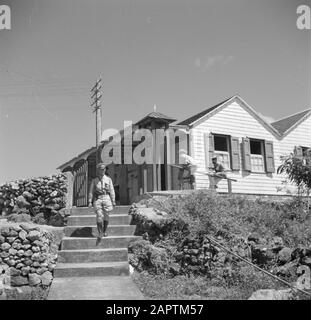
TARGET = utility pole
(96,104)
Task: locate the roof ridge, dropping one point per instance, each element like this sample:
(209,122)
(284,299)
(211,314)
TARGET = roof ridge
(157,112)
(201,114)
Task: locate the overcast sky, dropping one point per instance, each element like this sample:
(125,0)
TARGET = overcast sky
(183,56)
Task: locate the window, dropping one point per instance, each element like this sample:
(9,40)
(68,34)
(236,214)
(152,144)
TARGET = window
(221,143)
(257,155)
(222,150)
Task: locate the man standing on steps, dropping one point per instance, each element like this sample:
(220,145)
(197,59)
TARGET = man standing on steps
(102,198)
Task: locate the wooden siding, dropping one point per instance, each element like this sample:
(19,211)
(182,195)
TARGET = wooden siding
(237,122)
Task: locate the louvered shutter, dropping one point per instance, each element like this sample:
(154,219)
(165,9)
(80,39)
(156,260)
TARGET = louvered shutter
(235,153)
(247,166)
(211,150)
(269,156)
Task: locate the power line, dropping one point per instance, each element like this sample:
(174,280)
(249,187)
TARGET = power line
(62,84)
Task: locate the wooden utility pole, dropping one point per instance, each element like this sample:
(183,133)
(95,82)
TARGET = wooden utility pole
(96,103)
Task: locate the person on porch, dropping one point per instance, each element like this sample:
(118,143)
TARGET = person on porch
(188,168)
(102,198)
(218,174)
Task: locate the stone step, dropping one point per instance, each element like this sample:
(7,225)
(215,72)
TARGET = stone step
(93,255)
(94,288)
(90,211)
(91,230)
(69,243)
(86,220)
(91,269)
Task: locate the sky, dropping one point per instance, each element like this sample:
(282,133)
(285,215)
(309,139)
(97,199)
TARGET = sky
(183,56)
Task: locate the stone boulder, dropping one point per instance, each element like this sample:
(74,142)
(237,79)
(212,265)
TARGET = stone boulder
(46,278)
(18,281)
(20,217)
(272,294)
(285,255)
(254,237)
(33,235)
(34,279)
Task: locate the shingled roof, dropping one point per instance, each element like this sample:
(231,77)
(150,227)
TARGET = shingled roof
(199,115)
(285,124)
(157,115)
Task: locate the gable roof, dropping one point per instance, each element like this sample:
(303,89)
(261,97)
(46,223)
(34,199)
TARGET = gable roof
(202,116)
(287,124)
(80,156)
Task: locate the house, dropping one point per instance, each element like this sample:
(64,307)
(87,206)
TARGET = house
(247,145)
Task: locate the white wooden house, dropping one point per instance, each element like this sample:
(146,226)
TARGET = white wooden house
(247,145)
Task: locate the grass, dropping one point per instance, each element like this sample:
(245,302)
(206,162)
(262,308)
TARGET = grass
(155,287)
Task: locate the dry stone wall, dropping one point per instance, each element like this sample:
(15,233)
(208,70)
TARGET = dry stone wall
(28,255)
(42,200)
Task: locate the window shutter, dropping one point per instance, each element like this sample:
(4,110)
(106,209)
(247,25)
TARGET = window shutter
(211,150)
(298,151)
(235,153)
(246,154)
(269,155)
(206,142)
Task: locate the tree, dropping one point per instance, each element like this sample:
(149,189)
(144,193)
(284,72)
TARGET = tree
(298,170)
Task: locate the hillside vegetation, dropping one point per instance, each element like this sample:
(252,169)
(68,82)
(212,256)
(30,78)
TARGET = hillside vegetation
(176,251)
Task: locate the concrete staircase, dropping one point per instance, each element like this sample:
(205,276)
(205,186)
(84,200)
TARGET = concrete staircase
(83,261)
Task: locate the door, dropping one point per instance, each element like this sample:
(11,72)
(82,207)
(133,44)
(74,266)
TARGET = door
(80,186)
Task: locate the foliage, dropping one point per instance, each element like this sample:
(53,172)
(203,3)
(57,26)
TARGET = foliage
(145,256)
(298,170)
(234,216)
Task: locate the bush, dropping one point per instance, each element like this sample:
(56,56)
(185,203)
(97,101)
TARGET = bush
(233,216)
(147,257)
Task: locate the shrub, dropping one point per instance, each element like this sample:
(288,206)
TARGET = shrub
(145,256)
(232,216)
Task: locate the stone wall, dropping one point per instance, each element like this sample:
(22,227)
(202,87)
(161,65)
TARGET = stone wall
(28,255)
(42,200)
